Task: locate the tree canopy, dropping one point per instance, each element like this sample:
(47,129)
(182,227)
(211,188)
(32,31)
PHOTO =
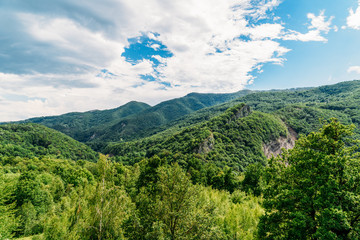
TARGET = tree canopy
(313,190)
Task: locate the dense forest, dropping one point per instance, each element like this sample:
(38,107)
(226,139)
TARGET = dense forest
(205,174)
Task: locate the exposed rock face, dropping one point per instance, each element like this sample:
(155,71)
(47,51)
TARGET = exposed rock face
(207,145)
(273,148)
(242,112)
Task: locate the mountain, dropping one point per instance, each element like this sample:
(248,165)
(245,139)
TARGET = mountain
(142,124)
(300,109)
(276,119)
(215,157)
(130,121)
(78,125)
(33,140)
(235,139)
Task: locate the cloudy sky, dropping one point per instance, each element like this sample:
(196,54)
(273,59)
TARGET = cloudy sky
(60,56)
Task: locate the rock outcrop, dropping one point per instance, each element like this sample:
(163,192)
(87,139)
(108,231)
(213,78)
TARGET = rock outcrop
(274,148)
(207,145)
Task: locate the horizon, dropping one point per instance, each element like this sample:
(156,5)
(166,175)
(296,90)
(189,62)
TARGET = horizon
(255,90)
(60,57)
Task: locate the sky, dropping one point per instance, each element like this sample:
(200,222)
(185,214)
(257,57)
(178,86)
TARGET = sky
(63,56)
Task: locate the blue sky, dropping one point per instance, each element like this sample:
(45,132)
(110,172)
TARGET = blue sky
(62,55)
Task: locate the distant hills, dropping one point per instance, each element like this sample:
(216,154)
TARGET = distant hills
(211,147)
(299,109)
(81,126)
(30,140)
(275,118)
(130,121)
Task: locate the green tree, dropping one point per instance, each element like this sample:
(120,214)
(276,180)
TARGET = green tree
(313,190)
(253,179)
(101,212)
(171,208)
(8,221)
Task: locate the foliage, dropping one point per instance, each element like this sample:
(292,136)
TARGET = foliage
(196,175)
(132,120)
(8,220)
(226,140)
(82,126)
(313,190)
(33,140)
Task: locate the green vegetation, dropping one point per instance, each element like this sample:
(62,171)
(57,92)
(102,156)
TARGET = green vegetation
(60,199)
(313,189)
(232,139)
(196,175)
(82,126)
(33,140)
(309,192)
(133,120)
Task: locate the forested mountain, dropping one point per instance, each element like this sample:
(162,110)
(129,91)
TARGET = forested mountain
(300,109)
(133,120)
(191,175)
(234,139)
(79,125)
(34,140)
(278,116)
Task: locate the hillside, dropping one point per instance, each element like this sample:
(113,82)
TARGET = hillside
(142,124)
(275,112)
(34,140)
(299,108)
(78,125)
(210,164)
(132,120)
(234,139)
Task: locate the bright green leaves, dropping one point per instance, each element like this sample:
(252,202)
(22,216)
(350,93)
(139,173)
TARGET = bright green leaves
(310,192)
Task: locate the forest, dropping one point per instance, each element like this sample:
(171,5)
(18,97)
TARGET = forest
(199,175)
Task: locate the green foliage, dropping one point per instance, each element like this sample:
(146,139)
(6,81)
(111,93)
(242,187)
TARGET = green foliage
(82,126)
(100,210)
(198,175)
(33,140)
(313,190)
(233,139)
(171,207)
(33,187)
(253,182)
(8,220)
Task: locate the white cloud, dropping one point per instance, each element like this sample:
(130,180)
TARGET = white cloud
(353,20)
(318,26)
(205,37)
(355,69)
(320,23)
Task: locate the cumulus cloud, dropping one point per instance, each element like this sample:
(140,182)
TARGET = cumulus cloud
(355,69)
(353,20)
(319,25)
(55,52)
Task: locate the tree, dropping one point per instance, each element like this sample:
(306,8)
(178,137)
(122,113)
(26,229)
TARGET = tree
(170,209)
(313,190)
(102,209)
(8,221)
(253,180)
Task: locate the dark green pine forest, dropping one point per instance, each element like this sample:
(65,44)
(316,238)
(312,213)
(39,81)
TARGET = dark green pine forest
(278,164)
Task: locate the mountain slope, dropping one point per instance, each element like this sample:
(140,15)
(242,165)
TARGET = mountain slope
(143,123)
(298,112)
(299,108)
(78,125)
(235,139)
(34,140)
(130,121)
